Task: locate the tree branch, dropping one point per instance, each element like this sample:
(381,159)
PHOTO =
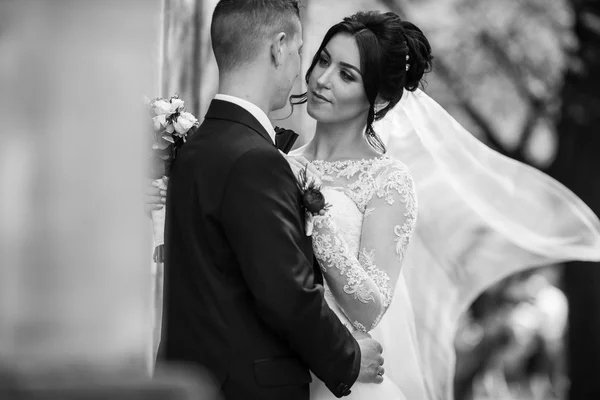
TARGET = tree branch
(444,72)
(513,69)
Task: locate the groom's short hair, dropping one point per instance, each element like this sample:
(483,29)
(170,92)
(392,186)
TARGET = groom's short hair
(239,27)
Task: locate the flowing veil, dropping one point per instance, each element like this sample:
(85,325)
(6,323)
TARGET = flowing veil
(482,217)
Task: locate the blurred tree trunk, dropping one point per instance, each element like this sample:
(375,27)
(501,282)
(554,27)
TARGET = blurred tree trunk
(181,50)
(188,66)
(577,165)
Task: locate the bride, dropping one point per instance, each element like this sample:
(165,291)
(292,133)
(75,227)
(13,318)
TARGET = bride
(358,74)
(384,251)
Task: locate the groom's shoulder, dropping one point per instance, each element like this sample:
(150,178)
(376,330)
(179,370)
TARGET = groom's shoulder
(220,135)
(221,143)
(257,157)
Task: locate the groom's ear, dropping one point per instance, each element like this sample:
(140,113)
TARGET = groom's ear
(278,48)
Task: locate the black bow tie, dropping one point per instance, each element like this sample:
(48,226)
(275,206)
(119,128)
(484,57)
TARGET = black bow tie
(285,139)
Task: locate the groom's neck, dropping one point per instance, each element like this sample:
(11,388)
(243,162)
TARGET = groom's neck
(250,85)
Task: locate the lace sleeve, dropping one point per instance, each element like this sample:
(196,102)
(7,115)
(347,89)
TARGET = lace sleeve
(363,286)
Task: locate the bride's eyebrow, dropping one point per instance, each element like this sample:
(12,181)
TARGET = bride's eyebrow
(343,64)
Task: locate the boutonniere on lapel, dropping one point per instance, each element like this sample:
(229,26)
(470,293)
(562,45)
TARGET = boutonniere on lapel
(313,200)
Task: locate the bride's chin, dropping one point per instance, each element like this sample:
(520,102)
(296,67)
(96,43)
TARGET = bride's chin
(313,112)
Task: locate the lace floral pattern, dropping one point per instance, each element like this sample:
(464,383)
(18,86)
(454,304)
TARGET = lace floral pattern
(401,182)
(361,171)
(333,251)
(379,277)
(361,242)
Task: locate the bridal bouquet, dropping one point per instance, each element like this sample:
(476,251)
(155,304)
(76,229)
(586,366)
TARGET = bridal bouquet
(172,125)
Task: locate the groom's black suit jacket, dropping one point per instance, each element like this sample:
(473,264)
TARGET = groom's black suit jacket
(241,292)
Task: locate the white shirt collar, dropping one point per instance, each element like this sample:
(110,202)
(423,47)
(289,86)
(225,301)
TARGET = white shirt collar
(252,109)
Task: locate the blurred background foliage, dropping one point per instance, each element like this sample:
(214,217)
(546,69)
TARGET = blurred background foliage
(499,67)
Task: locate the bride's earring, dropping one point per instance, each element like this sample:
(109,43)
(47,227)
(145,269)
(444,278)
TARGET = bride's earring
(378,107)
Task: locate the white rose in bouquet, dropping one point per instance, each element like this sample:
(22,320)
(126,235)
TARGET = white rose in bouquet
(184,122)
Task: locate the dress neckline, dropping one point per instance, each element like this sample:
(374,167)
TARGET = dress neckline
(344,163)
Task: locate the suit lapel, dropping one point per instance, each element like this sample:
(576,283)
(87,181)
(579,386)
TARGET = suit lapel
(227,111)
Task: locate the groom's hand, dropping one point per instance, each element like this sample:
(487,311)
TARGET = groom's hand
(371,361)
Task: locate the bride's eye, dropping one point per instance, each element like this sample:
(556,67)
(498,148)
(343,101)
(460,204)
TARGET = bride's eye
(346,76)
(323,62)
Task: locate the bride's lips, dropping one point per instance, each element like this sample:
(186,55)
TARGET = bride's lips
(320,97)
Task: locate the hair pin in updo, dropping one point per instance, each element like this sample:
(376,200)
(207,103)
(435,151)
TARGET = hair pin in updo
(407,64)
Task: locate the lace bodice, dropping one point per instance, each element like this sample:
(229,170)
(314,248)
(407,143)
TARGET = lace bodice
(361,241)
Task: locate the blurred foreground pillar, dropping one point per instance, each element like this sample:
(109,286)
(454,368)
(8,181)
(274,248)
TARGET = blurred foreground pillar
(75,294)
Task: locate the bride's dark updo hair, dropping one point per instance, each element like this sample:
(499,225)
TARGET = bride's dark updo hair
(394,56)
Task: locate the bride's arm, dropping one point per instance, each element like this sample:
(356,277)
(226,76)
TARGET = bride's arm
(363,286)
(155,197)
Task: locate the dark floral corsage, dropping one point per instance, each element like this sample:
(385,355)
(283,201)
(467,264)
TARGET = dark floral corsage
(313,200)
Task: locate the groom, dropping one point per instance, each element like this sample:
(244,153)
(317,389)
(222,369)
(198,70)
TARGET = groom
(243,293)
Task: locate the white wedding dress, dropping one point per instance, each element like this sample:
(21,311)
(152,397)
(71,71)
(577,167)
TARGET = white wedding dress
(360,247)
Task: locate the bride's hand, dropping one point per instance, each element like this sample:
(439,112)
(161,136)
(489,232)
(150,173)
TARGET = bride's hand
(155,198)
(299,164)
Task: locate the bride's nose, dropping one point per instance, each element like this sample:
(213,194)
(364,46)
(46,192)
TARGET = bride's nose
(324,80)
